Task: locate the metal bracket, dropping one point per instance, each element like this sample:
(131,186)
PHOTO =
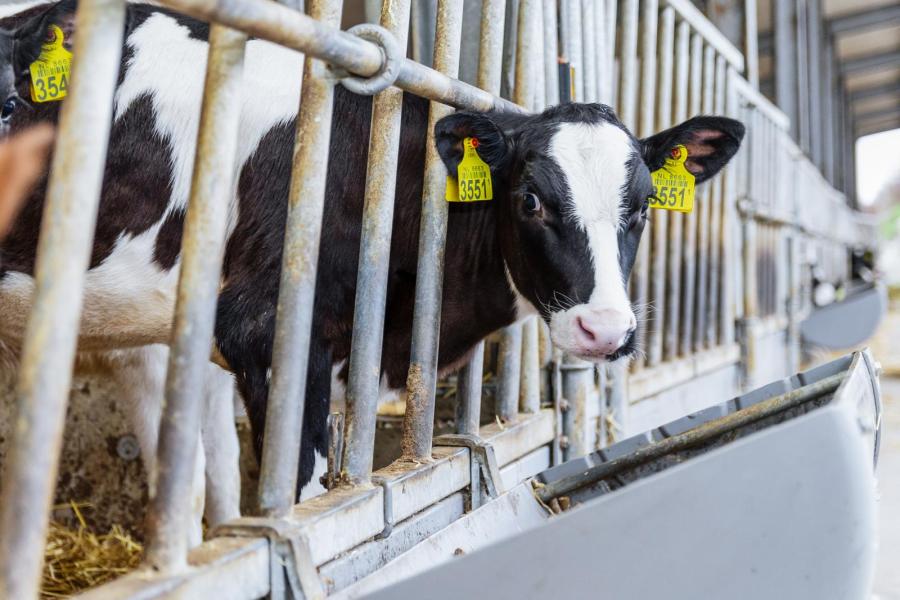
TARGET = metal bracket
(482,466)
(387,504)
(292,572)
(390,66)
(335,450)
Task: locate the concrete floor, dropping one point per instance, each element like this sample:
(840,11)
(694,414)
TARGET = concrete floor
(887,572)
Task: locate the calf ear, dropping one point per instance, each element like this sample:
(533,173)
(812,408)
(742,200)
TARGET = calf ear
(449,132)
(710,143)
(33,33)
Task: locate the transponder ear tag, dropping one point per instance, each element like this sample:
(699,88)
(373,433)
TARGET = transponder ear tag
(673,183)
(51,71)
(473,177)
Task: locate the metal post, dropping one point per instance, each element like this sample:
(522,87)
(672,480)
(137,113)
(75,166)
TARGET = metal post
(418,424)
(64,249)
(572,38)
(551,39)
(212,190)
(828,111)
(689,282)
(716,236)
(628,71)
(751,43)
(293,327)
(612,86)
(489,73)
(802,79)
(677,221)
(814,33)
(603,92)
(784,63)
(363,383)
(730,232)
(509,372)
(589,48)
(704,209)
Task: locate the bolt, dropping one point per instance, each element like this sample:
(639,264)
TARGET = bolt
(564,405)
(127,447)
(564,442)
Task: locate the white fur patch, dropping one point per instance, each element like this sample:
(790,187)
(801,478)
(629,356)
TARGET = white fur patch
(314,487)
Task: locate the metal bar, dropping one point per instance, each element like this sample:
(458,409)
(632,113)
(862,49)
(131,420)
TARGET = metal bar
(589,46)
(704,212)
(612,7)
(628,68)
(802,79)
(785,65)
(527,63)
(489,72)
(509,373)
(277,490)
(751,37)
(572,38)
(64,248)
(275,23)
(364,377)
(691,438)
(814,31)
(418,423)
(689,283)
(600,62)
(716,235)
(880,17)
(551,52)
(212,190)
(677,221)
(730,233)
(829,143)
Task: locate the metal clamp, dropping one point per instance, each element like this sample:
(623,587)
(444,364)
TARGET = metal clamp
(482,465)
(292,572)
(390,63)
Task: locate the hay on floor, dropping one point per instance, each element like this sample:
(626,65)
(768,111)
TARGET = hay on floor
(76,559)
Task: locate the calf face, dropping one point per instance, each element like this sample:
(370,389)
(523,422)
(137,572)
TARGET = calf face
(572,188)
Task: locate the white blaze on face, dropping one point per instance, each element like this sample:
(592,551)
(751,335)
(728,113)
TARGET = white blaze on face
(594,158)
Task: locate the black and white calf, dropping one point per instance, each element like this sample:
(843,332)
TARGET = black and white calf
(571,190)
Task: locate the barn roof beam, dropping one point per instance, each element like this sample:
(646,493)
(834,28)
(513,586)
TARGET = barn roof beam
(883,16)
(872,61)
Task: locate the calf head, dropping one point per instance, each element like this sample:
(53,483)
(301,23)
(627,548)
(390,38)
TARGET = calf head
(572,188)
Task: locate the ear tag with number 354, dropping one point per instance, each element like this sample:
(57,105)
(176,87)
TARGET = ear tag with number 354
(473,177)
(673,184)
(51,71)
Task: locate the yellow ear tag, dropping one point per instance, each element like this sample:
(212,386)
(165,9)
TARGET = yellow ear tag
(674,184)
(473,177)
(50,72)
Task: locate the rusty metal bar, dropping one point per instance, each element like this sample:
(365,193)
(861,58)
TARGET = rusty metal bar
(363,384)
(677,221)
(688,286)
(296,292)
(661,218)
(640,276)
(64,248)
(490,66)
(212,190)
(418,423)
(276,23)
(703,213)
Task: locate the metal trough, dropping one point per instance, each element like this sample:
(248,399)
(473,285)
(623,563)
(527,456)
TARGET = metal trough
(849,322)
(771,494)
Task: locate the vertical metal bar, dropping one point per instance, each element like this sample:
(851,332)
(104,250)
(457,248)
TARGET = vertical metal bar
(751,46)
(612,7)
(704,207)
(814,32)
(628,74)
(418,423)
(489,72)
(212,191)
(677,220)
(716,239)
(661,218)
(589,48)
(802,80)
(572,38)
(64,249)
(689,283)
(729,231)
(602,71)
(527,64)
(551,51)
(364,377)
(509,372)
(828,112)
(784,63)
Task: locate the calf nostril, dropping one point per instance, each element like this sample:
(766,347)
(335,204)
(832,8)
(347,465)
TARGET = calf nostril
(585,330)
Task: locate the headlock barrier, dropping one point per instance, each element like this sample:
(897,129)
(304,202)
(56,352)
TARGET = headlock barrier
(721,290)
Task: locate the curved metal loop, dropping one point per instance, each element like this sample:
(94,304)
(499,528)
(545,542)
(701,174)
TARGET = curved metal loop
(390,65)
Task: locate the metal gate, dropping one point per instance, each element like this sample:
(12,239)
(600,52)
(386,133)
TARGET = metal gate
(715,282)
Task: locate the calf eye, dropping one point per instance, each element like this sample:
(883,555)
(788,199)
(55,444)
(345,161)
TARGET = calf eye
(530,203)
(9,107)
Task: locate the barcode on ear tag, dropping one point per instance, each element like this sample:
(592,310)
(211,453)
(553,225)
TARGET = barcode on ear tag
(473,177)
(673,184)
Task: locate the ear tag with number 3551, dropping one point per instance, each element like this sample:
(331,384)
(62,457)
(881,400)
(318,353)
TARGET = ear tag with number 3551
(673,184)
(51,71)
(473,177)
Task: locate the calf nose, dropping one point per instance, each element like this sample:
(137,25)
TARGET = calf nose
(603,331)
